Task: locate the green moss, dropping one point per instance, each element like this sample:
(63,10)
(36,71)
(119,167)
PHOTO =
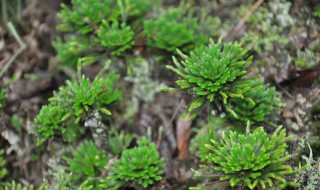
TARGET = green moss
(213,74)
(117,37)
(139,167)
(250,160)
(87,163)
(73,101)
(172,30)
(264,106)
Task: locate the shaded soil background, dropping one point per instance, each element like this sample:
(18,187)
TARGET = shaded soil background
(36,75)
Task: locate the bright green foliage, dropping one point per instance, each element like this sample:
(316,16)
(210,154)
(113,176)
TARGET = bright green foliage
(250,160)
(172,30)
(82,96)
(87,163)
(50,121)
(135,8)
(63,183)
(72,48)
(3,171)
(117,37)
(74,101)
(138,167)
(265,102)
(98,27)
(118,142)
(86,13)
(213,74)
(204,136)
(3,96)
(14,186)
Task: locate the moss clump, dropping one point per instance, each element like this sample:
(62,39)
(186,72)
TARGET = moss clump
(139,167)
(248,160)
(213,74)
(172,30)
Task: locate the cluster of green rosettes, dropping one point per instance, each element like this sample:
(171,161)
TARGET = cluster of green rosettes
(111,27)
(264,105)
(87,163)
(139,167)
(250,160)
(215,74)
(74,101)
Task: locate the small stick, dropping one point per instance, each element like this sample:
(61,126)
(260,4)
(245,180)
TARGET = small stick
(23,46)
(244,19)
(91,24)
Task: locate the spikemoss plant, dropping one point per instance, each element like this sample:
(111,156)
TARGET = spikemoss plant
(139,167)
(83,15)
(213,73)
(173,29)
(118,142)
(73,47)
(74,101)
(248,160)
(87,163)
(17,186)
(264,107)
(98,27)
(117,37)
(204,136)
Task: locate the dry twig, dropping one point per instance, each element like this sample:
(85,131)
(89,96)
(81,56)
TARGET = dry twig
(23,46)
(243,20)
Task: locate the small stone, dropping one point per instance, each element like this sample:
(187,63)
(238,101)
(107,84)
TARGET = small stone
(295,126)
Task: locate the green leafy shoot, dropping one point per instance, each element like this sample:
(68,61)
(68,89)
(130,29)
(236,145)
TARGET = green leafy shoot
(74,101)
(73,47)
(87,163)
(248,160)
(17,186)
(118,142)
(85,14)
(139,167)
(117,37)
(263,104)
(213,74)
(172,30)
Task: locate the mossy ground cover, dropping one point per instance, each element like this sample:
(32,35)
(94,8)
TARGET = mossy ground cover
(91,89)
